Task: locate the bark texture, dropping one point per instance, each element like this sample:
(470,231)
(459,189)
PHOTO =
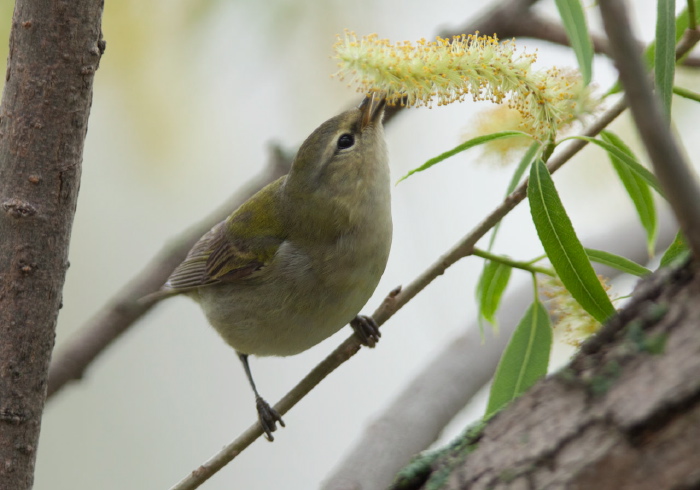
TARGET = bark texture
(55,49)
(625,414)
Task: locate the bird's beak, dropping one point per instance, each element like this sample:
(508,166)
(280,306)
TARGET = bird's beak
(372,108)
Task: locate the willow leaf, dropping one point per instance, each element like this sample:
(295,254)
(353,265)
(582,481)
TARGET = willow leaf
(525,359)
(479,140)
(563,247)
(574,20)
(665,62)
(622,264)
(636,187)
(493,282)
(628,160)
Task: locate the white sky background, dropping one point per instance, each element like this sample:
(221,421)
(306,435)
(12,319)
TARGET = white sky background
(206,102)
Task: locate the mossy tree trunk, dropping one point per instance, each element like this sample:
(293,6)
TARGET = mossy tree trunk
(624,414)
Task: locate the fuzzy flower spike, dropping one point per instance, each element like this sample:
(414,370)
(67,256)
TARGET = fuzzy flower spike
(450,70)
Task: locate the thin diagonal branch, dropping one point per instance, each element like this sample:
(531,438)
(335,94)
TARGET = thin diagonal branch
(399,297)
(396,300)
(530,24)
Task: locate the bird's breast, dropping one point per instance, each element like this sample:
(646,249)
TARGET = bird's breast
(307,293)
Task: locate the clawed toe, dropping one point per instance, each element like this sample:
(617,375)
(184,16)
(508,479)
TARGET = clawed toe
(268,417)
(366,330)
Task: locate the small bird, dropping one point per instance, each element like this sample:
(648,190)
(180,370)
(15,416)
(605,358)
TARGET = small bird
(298,260)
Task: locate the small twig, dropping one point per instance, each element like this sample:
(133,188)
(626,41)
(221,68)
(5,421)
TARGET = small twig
(686,94)
(516,264)
(674,174)
(529,24)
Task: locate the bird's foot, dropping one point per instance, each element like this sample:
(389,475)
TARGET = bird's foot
(268,417)
(366,330)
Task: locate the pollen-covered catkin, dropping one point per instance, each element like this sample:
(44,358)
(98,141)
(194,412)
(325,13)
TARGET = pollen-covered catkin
(481,67)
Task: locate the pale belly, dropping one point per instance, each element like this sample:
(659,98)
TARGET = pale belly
(297,302)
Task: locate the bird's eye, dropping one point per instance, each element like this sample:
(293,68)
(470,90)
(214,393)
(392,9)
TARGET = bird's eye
(345,141)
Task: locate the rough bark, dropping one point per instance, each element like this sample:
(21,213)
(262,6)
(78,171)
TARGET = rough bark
(55,49)
(624,414)
(457,373)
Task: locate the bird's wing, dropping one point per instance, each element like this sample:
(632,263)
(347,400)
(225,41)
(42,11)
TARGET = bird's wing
(235,248)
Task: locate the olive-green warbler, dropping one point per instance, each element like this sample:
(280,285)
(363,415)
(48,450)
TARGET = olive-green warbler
(299,259)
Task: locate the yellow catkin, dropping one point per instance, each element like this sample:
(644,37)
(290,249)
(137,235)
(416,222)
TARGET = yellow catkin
(492,120)
(450,70)
(572,323)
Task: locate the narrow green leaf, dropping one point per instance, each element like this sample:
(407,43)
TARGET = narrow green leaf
(636,187)
(628,160)
(665,62)
(563,247)
(493,282)
(682,23)
(525,359)
(620,263)
(488,311)
(676,252)
(525,162)
(479,140)
(574,20)
(686,94)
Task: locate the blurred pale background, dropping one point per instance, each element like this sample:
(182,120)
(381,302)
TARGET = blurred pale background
(186,100)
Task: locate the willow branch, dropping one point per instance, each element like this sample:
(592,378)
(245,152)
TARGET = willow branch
(393,302)
(530,24)
(516,264)
(400,296)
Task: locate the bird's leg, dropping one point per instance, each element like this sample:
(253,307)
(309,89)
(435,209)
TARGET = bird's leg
(366,330)
(267,415)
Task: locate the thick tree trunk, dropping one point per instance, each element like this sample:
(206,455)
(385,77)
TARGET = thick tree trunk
(624,415)
(55,48)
